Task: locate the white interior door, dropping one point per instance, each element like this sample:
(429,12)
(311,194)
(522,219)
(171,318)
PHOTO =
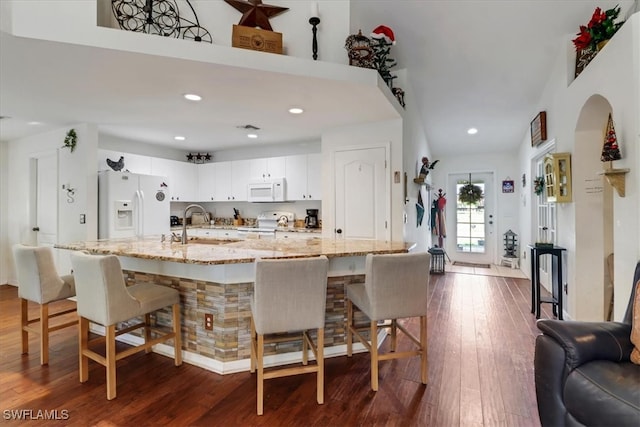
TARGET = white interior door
(472,238)
(545,228)
(362,194)
(46,200)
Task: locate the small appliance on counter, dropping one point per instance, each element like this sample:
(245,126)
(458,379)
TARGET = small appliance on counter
(175,221)
(311,220)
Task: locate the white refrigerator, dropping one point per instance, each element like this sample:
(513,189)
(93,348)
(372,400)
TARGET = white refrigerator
(132,205)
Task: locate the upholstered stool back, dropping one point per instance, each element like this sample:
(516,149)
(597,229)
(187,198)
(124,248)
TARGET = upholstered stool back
(39,282)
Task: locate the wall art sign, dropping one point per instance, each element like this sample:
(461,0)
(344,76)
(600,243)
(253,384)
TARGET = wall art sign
(539,129)
(508,186)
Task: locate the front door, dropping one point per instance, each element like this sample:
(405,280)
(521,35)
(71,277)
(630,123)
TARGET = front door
(473,237)
(362,194)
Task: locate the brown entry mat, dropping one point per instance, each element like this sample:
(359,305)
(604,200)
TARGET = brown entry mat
(470,264)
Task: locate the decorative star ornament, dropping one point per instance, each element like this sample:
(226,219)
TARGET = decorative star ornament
(256,14)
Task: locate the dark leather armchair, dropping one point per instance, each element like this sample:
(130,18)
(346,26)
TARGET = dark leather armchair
(583,373)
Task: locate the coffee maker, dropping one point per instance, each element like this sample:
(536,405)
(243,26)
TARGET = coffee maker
(311,220)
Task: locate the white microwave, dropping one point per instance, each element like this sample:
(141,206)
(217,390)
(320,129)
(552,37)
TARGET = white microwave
(267,191)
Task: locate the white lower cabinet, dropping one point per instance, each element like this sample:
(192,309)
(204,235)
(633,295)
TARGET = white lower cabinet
(295,235)
(213,233)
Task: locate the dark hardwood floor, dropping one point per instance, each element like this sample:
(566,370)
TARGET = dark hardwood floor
(481,343)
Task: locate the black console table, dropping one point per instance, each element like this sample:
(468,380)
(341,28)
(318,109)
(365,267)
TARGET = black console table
(556,291)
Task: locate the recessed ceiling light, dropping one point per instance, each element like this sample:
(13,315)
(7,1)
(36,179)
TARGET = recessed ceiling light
(34,123)
(192,97)
(296,110)
(252,135)
(472,131)
(179,138)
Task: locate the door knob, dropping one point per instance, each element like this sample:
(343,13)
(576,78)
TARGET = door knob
(36,229)
(339,231)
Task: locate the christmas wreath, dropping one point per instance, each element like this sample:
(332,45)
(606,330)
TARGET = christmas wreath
(538,185)
(470,194)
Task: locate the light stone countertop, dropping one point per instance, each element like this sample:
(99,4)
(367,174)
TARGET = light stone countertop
(232,251)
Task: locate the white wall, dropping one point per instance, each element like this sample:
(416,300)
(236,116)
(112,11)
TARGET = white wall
(414,147)
(76,169)
(77,23)
(615,75)
(367,134)
(503,166)
(5,247)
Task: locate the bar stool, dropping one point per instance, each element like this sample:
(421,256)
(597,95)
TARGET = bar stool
(289,295)
(39,282)
(395,287)
(103,298)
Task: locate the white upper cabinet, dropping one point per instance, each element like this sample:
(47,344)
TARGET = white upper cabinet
(240,178)
(182,176)
(264,169)
(223,191)
(304,180)
(207,182)
(314,176)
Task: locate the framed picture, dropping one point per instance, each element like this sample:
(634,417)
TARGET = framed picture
(539,129)
(508,186)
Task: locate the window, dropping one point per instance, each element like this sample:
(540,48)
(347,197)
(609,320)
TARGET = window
(470,221)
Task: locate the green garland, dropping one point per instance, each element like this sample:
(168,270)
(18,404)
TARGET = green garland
(71,140)
(470,194)
(538,185)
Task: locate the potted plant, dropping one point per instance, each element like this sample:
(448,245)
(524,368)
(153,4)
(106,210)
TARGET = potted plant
(599,30)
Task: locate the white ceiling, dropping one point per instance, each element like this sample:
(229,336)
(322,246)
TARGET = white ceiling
(480,64)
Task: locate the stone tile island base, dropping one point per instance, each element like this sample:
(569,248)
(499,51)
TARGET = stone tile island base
(226,347)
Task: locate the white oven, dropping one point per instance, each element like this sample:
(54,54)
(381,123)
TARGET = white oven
(267,191)
(268,222)
(256,233)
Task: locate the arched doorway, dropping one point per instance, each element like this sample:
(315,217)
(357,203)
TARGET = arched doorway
(593,298)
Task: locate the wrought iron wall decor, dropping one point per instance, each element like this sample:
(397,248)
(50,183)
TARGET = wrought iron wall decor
(199,158)
(159,17)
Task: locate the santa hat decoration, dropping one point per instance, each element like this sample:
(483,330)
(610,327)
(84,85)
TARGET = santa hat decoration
(384,32)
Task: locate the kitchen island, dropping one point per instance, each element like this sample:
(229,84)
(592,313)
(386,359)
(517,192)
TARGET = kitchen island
(215,281)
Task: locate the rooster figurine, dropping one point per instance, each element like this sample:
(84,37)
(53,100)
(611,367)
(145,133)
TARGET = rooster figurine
(116,166)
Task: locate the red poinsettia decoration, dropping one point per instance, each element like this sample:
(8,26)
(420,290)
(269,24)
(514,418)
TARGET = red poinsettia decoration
(601,27)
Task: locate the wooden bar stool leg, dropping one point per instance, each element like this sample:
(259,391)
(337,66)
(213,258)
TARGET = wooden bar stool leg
(177,331)
(260,355)
(111,361)
(305,348)
(24,322)
(83,343)
(320,360)
(348,328)
(424,366)
(374,355)
(44,334)
(147,331)
(253,346)
(394,334)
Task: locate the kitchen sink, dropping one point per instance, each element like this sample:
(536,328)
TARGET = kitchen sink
(207,241)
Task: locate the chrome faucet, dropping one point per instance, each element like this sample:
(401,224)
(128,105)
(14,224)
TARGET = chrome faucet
(184,220)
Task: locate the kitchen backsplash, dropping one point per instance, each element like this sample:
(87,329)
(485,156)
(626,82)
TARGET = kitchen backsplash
(248,211)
